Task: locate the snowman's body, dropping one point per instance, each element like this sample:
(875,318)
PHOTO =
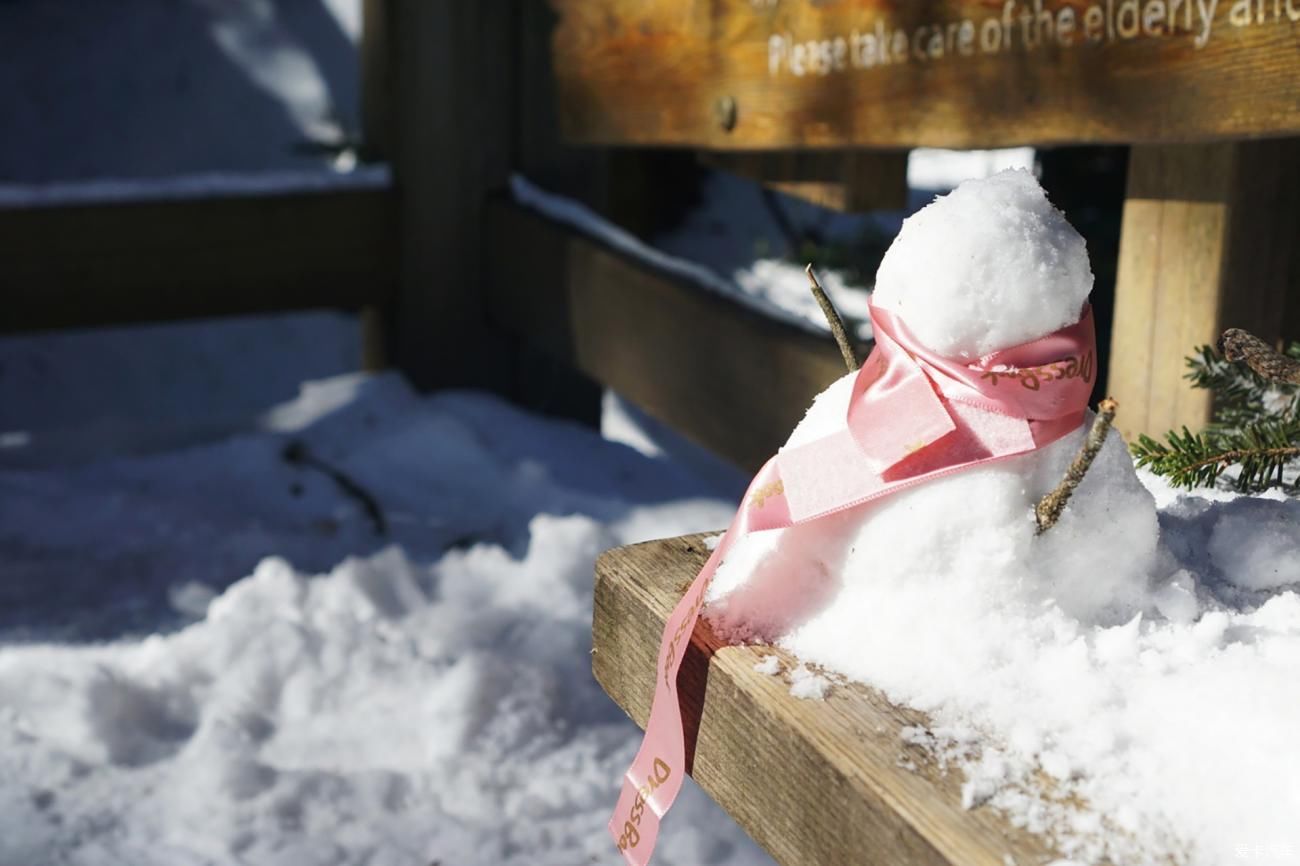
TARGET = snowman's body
(991,266)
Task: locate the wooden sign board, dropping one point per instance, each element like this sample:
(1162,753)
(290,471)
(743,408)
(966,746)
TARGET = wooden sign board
(773,74)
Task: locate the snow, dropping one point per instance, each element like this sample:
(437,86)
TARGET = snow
(989,266)
(1123,683)
(770,665)
(207,655)
(808,685)
(1258,547)
(73,396)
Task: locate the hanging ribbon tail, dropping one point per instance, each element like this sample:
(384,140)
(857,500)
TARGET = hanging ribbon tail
(655,778)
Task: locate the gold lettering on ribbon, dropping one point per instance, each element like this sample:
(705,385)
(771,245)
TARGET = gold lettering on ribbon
(1073,367)
(687,620)
(631,835)
(766,492)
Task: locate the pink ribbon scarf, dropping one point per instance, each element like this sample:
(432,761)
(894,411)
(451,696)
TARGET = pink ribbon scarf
(913,416)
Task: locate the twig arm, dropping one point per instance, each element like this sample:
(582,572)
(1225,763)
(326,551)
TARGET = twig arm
(1049,508)
(833,319)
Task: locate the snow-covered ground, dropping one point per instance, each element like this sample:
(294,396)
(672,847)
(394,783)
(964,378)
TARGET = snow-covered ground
(207,655)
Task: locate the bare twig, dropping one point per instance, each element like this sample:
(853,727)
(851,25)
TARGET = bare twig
(1239,345)
(833,319)
(297,453)
(1049,508)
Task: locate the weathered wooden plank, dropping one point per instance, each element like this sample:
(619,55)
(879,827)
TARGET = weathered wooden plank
(729,378)
(814,783)
(95,264)
(775,74)
(853,181)
(1208,242)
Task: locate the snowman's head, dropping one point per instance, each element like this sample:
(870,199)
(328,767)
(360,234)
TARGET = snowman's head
(989,266)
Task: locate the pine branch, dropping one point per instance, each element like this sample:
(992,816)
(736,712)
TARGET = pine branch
(1262,451)
(833,319)
(1049,508)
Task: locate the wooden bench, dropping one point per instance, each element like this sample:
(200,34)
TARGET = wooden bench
(813,782)
(1211,219)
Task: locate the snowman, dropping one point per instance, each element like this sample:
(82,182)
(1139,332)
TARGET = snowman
(989,267)
(893,538)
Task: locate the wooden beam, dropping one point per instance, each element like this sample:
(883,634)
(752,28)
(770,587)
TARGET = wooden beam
(1208,242)
(65,266)
(813,782)
(852,181)
(778,74)
(727,377)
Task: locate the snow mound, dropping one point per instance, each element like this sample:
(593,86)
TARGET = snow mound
(1258,547)
(429,701)
(990,265)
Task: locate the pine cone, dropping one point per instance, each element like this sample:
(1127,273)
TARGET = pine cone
(1239,345)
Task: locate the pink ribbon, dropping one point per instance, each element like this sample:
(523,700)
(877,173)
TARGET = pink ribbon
(913,416)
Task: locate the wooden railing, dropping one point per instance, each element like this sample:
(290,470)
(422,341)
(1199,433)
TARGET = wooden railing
(82,265)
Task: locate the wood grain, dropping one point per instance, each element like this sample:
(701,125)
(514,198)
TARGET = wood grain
(814,783)
(66,266)
(1208,242)
(729,378)
(659,72)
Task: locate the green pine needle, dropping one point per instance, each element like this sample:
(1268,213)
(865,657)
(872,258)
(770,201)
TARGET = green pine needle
(1256,429)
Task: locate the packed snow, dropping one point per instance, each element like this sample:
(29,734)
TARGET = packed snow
(207,655)
(1125,682)
(1009,269)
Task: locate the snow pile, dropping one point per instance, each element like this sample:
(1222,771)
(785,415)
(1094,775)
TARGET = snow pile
(428,701)
(1122,684)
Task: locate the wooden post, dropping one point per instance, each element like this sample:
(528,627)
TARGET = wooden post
(1208,242)
(451,109)
(376,137)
